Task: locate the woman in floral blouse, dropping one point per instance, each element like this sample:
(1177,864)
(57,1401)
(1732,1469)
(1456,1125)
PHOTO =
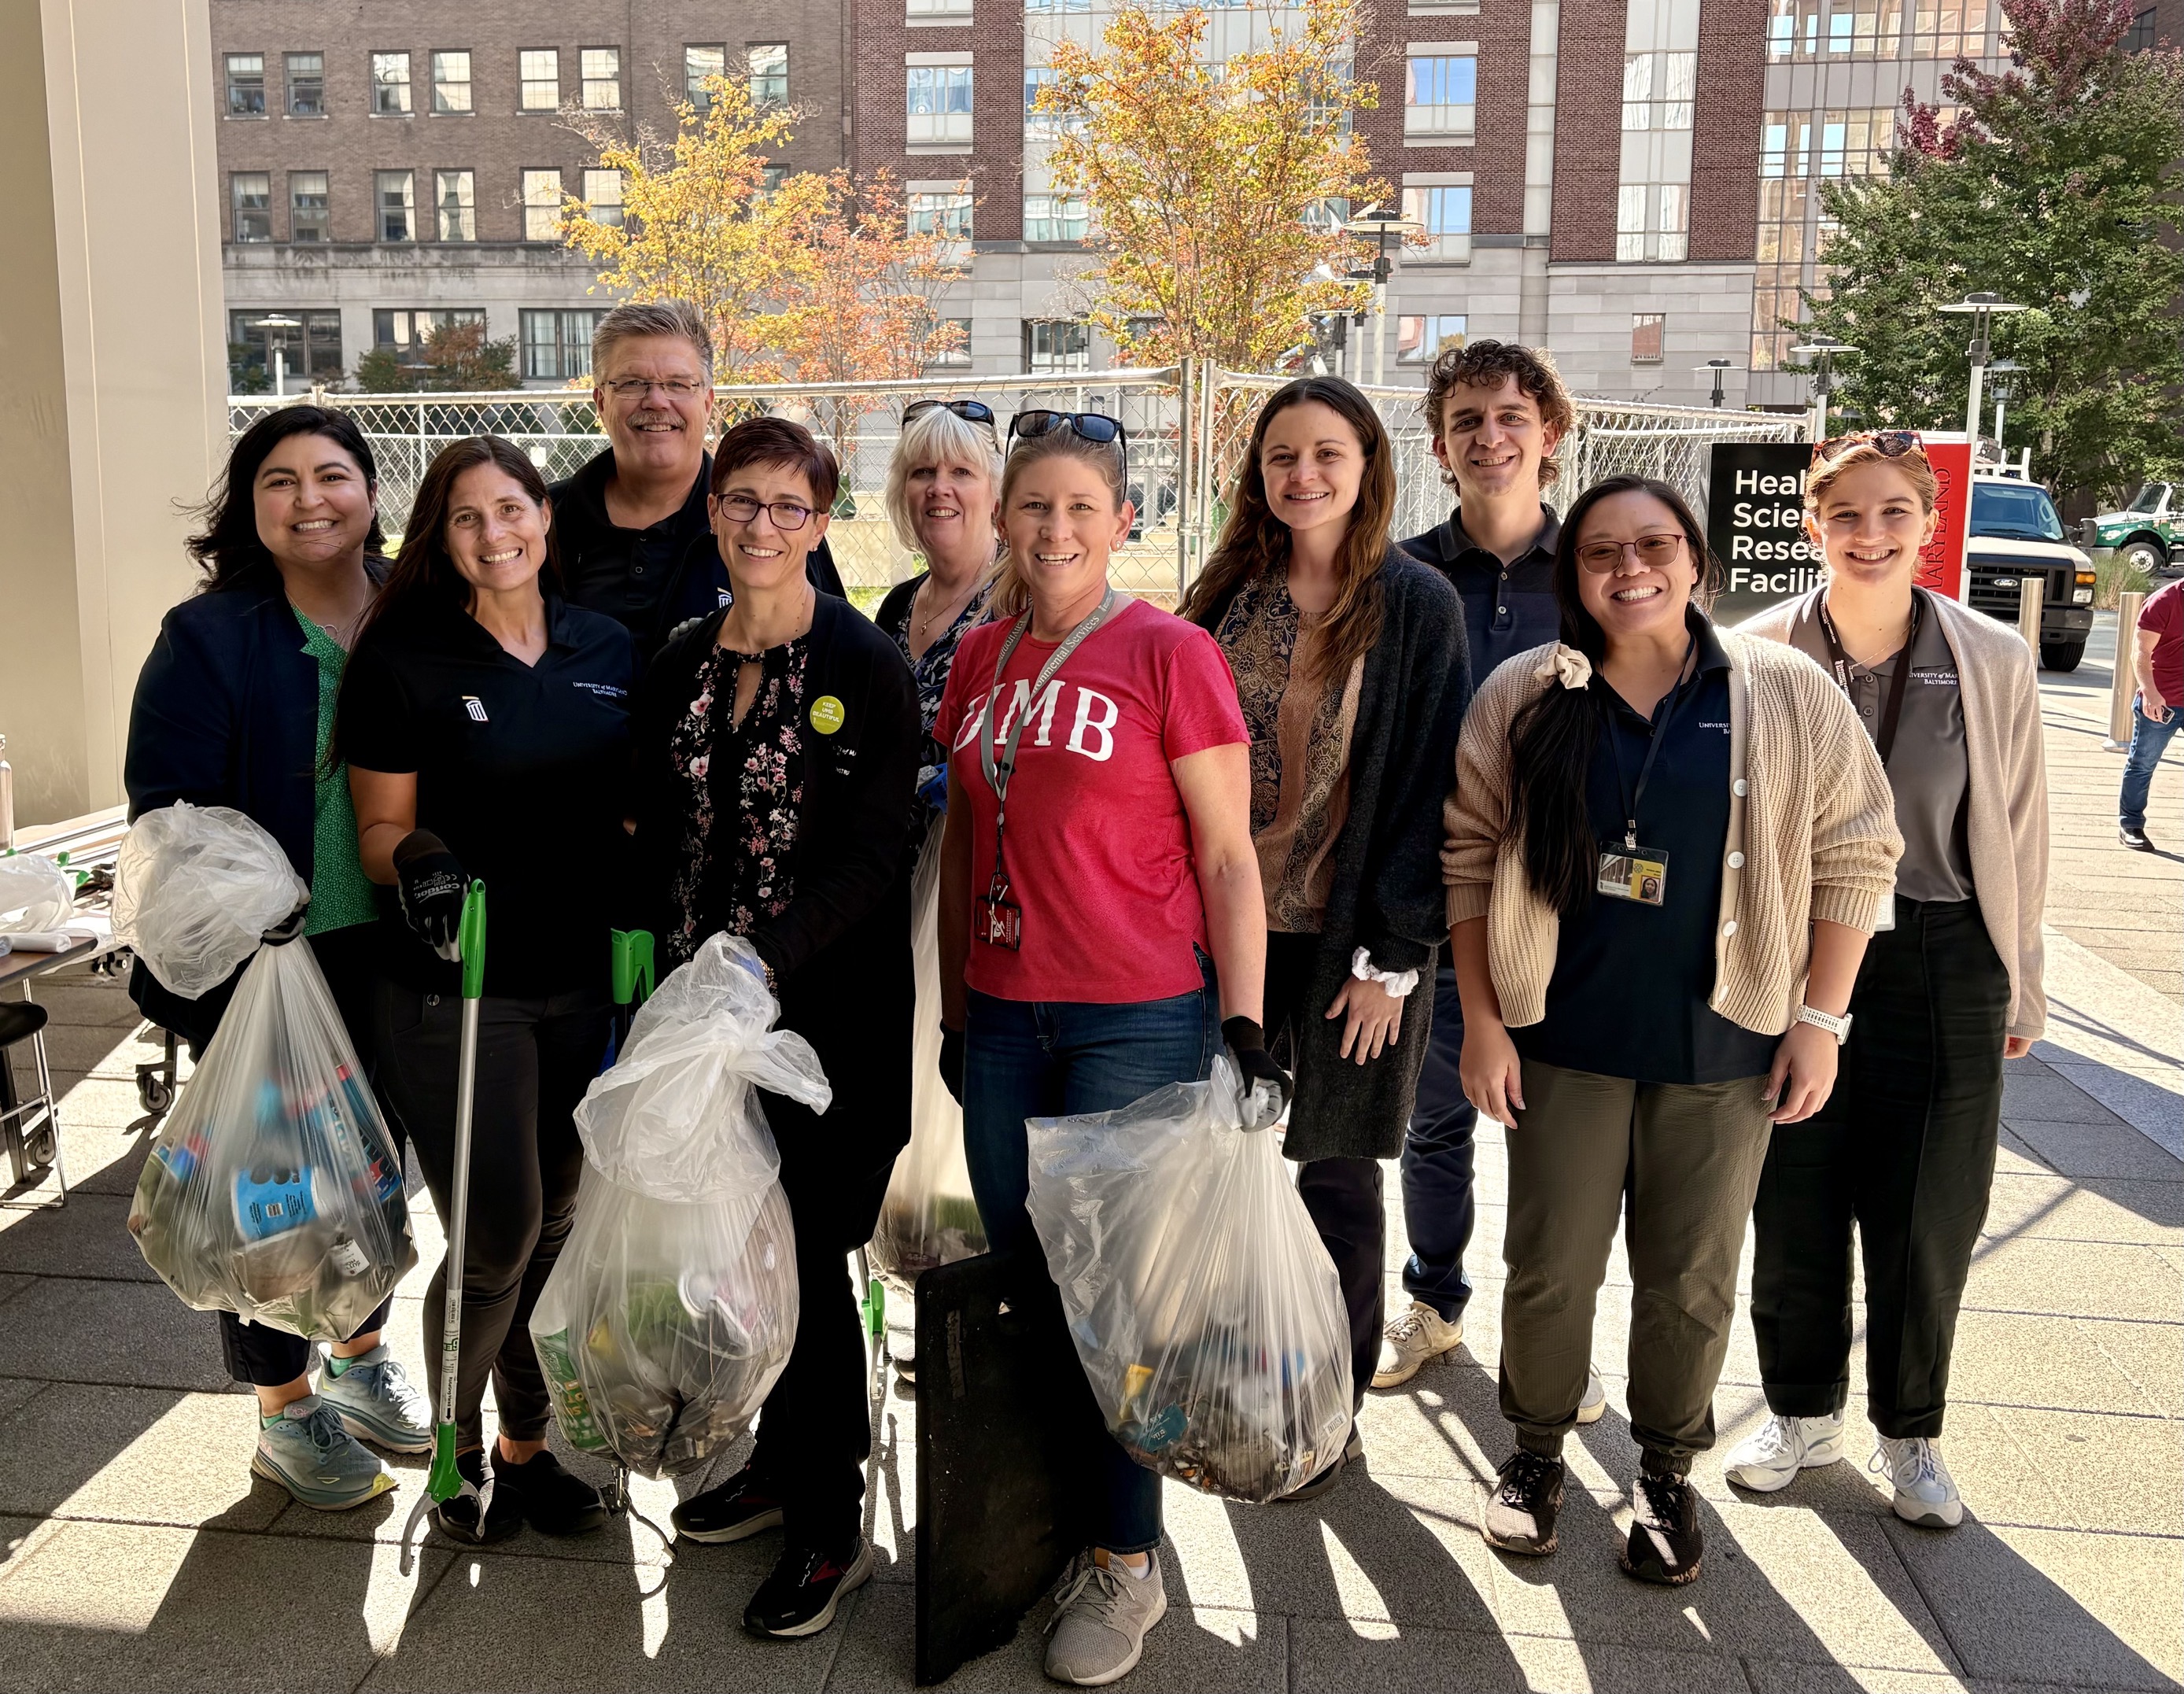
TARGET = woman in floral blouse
(776,746)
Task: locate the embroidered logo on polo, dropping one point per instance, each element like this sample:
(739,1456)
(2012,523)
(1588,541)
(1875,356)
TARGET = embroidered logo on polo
(475,707)
(603,690)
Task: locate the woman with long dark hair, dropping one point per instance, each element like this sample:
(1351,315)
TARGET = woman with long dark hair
(1349,662)
(485,721)
(235,707)
(1667,846)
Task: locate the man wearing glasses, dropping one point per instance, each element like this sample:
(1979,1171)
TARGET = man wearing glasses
(633,537)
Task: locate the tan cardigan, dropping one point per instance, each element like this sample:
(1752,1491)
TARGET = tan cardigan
(1812,833)
(2006,799)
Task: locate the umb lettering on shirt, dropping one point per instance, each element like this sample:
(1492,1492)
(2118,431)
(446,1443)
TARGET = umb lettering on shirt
(1095,716)
(1021,706)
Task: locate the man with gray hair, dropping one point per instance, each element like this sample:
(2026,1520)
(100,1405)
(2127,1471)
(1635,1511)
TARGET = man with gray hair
(635,539)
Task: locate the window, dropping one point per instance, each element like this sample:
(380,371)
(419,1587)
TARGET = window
(1054,217)
(942,212)
(1051,346)
(1058,5)
(310,353)
(310,214)
(451,84)
(541,205)
(1653,221)
(252,192)
(390,84)
(2140,38)
(307,85)
(938,103)
(1440,95)
(603,196)
(1421,340)
(406,331)
(602,77)
(1657,90)
(699,63)
(557,344)
(538,71)
(246,85)
(1445,209)
(937,8)
(396,195)
(954,357)
(769,73)
(771,178)
(456,194)
(1647,331)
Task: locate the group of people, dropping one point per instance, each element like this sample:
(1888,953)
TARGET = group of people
(1721,923)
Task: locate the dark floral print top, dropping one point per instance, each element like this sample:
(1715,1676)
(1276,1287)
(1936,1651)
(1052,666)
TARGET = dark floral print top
(930,671)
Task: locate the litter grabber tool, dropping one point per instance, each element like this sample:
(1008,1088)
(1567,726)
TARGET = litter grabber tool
(632,970)
(446,1481)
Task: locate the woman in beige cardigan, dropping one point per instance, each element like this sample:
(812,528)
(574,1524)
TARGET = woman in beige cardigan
(1906,1147)
(1665,850)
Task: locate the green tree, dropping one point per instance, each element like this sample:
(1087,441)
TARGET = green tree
(2057,188)
(454,358)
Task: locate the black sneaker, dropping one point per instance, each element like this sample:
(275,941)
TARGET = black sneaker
(552,1502)
(1665,1543)
(1521,1513)
(1353,1453)
(489,1515)
(2133,837)
(736,1509)
(806,1588)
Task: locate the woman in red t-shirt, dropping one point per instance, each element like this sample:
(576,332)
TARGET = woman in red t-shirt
(1122,938)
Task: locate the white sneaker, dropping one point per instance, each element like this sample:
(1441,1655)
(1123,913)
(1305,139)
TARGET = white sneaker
(1925,1492)
(1101,1614)
(1772,1455)
(1415,1335)
(1594,1407)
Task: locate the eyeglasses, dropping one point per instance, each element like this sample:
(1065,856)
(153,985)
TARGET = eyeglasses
(635,387)
(788,516)
(1658,551)
(970,411)
(1893,443)
(1095,426)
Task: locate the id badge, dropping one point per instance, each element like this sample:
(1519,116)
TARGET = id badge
(1000,923)
(1637,873)
(1884,917)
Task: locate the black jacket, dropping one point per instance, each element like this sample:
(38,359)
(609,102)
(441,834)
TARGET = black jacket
(1386,895)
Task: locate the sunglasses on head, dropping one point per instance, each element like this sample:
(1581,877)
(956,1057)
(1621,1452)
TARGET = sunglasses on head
(1893,443)
(1095,427)
(970,411)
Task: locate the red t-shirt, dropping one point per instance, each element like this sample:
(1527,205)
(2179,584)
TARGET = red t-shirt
(1099,845)
(2164,614)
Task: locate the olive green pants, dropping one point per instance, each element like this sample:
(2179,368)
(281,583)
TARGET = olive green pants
(1685,1160)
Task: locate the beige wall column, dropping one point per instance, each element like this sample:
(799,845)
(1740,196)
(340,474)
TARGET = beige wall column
(116,364)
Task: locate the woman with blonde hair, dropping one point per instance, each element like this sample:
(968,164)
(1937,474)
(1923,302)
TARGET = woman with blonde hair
(1905,1148)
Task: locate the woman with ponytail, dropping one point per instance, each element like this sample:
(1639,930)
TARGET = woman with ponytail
(1667,847)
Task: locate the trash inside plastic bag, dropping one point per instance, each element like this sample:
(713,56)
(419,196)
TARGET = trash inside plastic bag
(195,888)
(1206,1312)
(672,1308)
(929,1217)
(36,894)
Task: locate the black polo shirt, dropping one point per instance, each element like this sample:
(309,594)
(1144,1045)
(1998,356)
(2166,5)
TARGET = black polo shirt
(522,770)
(1507,608)
(1631,982)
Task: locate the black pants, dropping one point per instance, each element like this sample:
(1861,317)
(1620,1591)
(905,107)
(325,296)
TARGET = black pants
(1905,1149)
(535,1058)
(256,1353)
(1343,1195)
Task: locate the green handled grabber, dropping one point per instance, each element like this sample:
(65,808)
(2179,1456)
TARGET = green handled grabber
(445,1481)
(632,984)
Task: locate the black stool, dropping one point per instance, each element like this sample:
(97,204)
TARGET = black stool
(29,1128)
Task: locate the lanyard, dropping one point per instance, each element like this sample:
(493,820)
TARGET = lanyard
(1659,723)
(999,773)
(1892,708)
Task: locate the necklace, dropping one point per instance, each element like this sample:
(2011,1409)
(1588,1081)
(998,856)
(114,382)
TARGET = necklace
(921,627)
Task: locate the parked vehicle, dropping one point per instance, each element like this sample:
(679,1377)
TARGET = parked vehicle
(2148,531)
(2015,532)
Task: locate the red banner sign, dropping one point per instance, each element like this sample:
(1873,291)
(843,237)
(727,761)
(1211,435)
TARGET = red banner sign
(1941,560)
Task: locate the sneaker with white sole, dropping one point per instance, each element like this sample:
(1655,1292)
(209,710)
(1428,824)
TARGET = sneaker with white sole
(308,1452)
(1594,1407)
(1770,1458)
(1925,1492)
(1100,1617)
(377,1402)
(1415,1336)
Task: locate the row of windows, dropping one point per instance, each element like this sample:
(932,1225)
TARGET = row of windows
(1876,28)
(450,215)
(1443,212)
(597,84)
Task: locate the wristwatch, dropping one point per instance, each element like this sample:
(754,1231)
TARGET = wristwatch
(1838,1027)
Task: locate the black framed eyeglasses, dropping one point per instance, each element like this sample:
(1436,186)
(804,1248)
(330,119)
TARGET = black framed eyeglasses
(970,411)
(1093,427)
(788,516)
(1893,443)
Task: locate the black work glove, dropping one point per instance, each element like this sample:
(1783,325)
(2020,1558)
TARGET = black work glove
(431,882)
(1247,1046)
(951,1061)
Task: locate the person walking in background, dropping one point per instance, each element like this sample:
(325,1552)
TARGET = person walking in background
(2157,662)
(633,537)
(1904,1148)
(485,720)
(1667,846)
(1350,664)
(235,707)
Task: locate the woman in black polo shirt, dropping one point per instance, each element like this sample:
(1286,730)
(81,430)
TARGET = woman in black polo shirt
(484,722)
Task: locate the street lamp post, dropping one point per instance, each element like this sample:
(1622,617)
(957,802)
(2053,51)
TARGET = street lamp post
(2005,385)
(1821,352)
(1980,309)
(1720,368)
(275,358)
(1380,224)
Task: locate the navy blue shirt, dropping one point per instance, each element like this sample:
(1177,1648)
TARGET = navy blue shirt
(1631,982)
(1507,608)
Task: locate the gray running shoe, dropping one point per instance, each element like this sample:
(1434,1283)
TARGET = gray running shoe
(1594,1407)
(1101,1614)
(377,1402)
(308,1453)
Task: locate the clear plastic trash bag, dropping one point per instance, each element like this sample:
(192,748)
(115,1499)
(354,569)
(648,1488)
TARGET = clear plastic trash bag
(673,1305)
(36,895)
(1205,1309)
(195,887)
(929,1217)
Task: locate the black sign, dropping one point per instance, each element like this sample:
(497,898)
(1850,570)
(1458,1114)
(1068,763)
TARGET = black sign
(1755,524)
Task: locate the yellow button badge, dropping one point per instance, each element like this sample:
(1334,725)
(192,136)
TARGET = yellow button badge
(826,714)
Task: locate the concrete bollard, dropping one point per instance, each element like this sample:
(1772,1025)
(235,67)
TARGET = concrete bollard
(2125,682)
(2028,612)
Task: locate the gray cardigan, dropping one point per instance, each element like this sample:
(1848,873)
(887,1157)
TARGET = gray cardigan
(1386,895)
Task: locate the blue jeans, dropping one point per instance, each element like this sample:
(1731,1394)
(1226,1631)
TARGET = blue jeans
(1439,1211)
(1056,1058)
(2149,741)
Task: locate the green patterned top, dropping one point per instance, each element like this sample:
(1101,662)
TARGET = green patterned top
(340,895)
